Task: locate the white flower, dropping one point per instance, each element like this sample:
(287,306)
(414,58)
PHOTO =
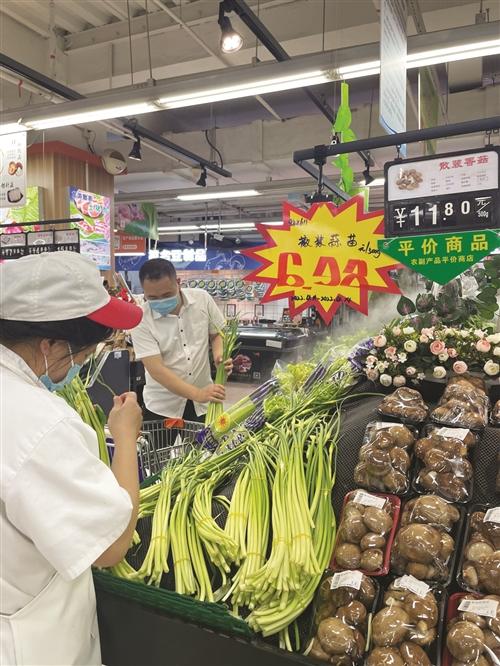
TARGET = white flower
(448,331)
(372,374)
(411,371)
(382,366)
(421,375)
(491,368)
(385,380)
(464,334)
(496,351)
(399,380)
(402,357)
(479,333)
(396,331)
(495,339)
(410,346)
(443,357)
(439,372)
(408,330)
(380,341)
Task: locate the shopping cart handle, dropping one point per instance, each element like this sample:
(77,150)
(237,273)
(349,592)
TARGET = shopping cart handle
(174,423)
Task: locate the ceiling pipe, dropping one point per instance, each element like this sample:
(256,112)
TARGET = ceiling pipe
(40,79)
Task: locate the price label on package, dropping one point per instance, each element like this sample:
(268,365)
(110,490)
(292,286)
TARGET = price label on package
(346,579)
(484,607)
(368,500)
(455,433)
(492,515)
(412,584)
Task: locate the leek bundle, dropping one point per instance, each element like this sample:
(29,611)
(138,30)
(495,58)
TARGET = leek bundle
(229,336)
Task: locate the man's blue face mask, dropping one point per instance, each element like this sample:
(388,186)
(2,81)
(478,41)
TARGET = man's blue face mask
(70,375)
(165,306)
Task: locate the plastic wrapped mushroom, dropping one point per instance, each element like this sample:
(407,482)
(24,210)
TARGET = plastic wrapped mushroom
(341,619)
(405,404)
(384,458)
(463,405)
(495,413)
(363,533)
(481,561)
(404,630)
(423,545)
(473,637)
(445,468)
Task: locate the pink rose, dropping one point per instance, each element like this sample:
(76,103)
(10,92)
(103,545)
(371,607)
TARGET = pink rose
(380,341)
(390,351)
(437,347)
(372,374)
(429,332)
(452,353)
(460,367)
(483,345)
(424,338)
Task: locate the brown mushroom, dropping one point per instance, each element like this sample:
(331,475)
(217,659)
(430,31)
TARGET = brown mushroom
(367,592)
(465,641)
(372,559)
(352,529)
(317,651)
(419,543)
(354,613)
(400,459)
(377,520)
(336,637)
(414,655)
(348,556)
(382,656)
(434,511)
(371,540)
(390,626)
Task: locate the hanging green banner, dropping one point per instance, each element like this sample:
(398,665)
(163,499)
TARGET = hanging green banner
(441,257)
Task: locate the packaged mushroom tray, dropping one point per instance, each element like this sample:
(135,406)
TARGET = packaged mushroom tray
(479,569)
(472,630)
(343,608)
(464,404)
(366,532)
(427,538)
(495,414)
(406,629)
(385,458)
(405,405)
(443,465)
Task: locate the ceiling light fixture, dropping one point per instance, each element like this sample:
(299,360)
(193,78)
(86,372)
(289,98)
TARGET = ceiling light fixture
(135,153)
(366,173)
(202,180)
(229,194)
(372,182)
(231,41)
(12,128)
(90,116)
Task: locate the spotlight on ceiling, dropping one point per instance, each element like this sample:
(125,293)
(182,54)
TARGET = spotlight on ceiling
(135,153)
(202,180)
(368,178)
(231,41)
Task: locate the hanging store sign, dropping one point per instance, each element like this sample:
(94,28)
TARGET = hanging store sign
(323,257)
(441,257)
(131,245)
(451,192)
(138,219)
(91,213)
(13,170)
(21,244)
(393,50)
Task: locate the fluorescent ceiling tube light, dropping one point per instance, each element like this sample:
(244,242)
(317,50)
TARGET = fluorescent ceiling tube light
(453,53)
(205,196)
(246,89)
(12,128)
(91,116)
(187,227)
(128,254)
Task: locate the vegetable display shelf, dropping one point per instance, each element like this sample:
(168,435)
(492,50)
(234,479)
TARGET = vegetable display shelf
(133,632)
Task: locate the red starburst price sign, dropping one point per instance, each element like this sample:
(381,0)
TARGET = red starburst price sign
(323,257)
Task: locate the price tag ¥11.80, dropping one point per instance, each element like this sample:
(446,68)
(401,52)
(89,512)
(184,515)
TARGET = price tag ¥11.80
(366,499)
(492,515)
(412,584)
(484,607)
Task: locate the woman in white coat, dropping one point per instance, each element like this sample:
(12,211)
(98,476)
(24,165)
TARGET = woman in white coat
(61,509)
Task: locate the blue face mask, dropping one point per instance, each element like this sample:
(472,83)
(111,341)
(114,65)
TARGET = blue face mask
(71,374)
(165,306)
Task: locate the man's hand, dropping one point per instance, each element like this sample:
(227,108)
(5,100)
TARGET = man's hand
(125,418)
(228,365)
(211,393)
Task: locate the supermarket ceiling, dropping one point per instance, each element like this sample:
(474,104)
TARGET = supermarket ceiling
(94,46)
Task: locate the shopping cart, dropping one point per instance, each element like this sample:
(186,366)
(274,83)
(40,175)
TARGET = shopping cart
(161,441)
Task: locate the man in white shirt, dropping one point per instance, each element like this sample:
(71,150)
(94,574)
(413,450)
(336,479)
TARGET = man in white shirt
(173,340)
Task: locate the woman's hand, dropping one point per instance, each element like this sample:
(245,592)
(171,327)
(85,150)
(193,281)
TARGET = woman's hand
(125,419)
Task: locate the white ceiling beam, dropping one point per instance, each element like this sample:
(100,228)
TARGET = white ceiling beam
(115,9)
(65,20)
(43,32)
(89,13)
(194,14)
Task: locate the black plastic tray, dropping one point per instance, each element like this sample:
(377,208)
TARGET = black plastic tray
(434,650)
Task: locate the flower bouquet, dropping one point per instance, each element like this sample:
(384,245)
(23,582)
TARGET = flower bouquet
(403,353)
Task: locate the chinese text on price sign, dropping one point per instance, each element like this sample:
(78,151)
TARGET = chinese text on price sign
(456,192)
(324,257)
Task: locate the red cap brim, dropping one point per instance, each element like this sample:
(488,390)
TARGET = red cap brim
(117,314)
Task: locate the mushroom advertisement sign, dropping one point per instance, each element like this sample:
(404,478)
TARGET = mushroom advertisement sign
(13,170)
(92,213)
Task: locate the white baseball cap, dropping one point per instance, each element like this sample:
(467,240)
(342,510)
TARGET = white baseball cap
(56,286)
